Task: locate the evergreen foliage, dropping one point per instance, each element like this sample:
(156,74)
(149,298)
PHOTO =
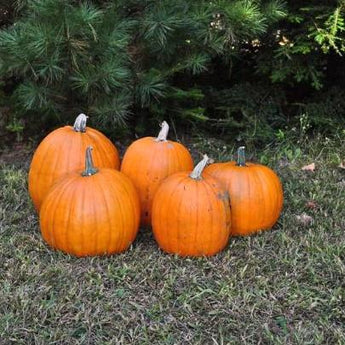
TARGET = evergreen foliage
(67,58)
(300,48)
(108,58)
(135,62)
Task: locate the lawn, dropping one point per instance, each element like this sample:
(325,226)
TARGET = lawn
(284,286)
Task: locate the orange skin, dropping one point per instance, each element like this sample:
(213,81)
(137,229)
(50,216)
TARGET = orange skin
(191,217)
(91,215)
(256,195)
(63,151)
(148,162)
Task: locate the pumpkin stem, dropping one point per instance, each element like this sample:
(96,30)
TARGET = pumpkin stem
(80,123)
(241,157)
(162,135)
(196,173)
(89,167)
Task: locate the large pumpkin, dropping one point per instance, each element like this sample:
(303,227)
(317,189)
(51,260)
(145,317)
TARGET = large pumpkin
(256,194)
(94,212)
(148,161)
(62,151)
(191,214)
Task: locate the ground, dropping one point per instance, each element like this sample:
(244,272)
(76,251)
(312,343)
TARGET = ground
(283,286)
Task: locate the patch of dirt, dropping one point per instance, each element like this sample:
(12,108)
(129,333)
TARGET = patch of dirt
(19,154)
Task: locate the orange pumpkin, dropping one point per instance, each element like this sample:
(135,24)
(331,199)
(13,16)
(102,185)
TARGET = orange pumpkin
(94,212)
(191,214)
(148,161)
(256,194)
(62,151)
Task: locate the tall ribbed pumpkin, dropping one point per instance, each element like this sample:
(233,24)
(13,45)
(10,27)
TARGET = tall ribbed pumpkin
(256,194)
(94,212)
(148,161)
(62,151)
(191,214)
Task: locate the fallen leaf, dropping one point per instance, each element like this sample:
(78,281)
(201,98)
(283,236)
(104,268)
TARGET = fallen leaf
(304,219)
(342,165)
(309,167)
(311,204)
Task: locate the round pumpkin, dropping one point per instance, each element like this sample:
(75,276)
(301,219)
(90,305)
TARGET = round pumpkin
(94,212)
(148,161)
(191,214)
(62,151)
(256,194)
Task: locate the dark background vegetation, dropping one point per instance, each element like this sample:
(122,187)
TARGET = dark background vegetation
(251,70)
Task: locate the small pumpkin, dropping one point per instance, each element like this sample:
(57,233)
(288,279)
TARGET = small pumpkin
(93,212)
(62,151)
(148,161)
(191,214)
(256,194)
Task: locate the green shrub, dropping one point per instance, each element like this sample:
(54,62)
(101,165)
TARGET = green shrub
(244,67)
(111,59)
(301,49)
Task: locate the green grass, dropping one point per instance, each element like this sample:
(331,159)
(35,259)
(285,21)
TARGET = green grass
(284,286)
